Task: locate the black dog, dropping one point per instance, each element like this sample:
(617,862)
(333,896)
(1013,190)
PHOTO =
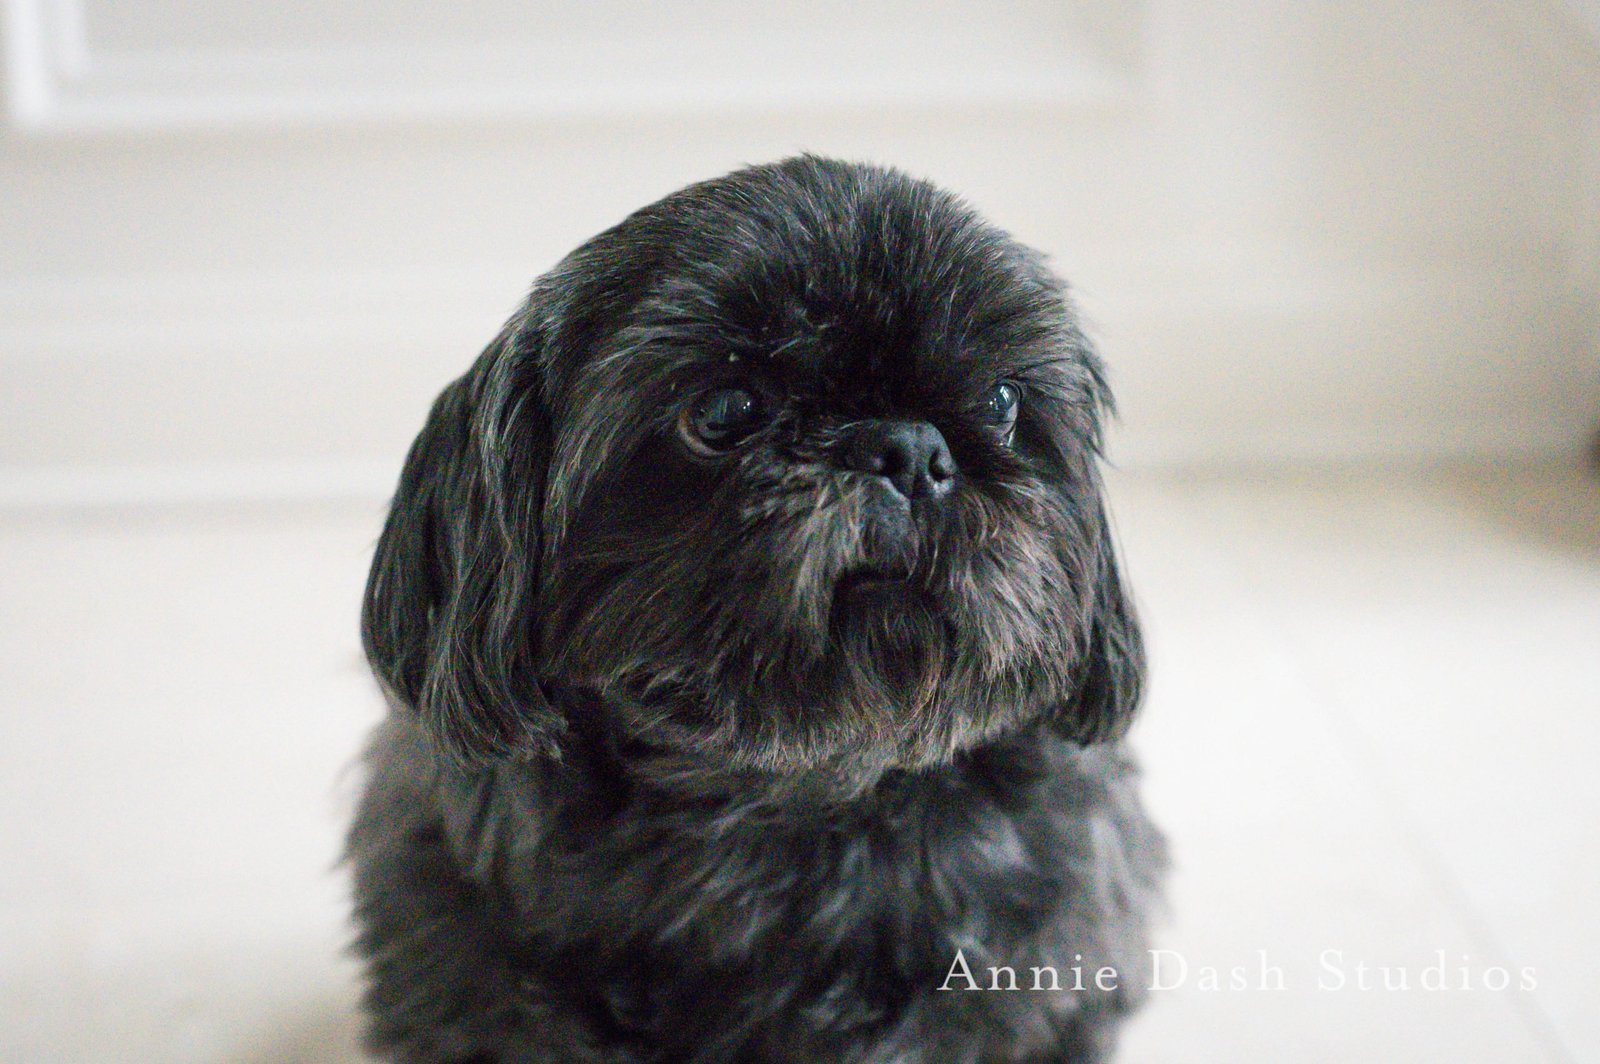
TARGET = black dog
(757,648)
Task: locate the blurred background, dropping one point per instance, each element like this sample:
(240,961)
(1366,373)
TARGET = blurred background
(1344,262)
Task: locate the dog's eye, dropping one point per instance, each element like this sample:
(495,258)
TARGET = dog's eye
(1000,407)
(720,419)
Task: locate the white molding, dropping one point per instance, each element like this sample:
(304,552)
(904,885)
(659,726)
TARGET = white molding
(29,80)
(184,484)
(63,82)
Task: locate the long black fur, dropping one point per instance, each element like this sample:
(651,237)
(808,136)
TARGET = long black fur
(656,786)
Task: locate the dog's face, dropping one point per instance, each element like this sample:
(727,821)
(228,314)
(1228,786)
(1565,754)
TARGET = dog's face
(795,468)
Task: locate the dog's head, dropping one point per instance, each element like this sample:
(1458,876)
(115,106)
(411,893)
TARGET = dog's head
(794,468)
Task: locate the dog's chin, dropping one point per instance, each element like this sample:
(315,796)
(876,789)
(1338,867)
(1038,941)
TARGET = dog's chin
(890,686)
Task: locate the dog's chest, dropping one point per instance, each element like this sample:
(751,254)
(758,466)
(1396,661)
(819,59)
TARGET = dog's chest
(848,922)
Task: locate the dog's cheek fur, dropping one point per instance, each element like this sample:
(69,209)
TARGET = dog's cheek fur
(687,589)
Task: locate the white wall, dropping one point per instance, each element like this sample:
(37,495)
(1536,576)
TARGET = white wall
(242,245)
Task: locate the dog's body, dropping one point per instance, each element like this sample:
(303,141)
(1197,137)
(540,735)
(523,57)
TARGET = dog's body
(757,652)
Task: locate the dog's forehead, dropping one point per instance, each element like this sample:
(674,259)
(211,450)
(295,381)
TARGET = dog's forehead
(852,286)
(891,288)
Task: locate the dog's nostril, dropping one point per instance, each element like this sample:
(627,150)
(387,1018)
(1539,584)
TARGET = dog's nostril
(911,455)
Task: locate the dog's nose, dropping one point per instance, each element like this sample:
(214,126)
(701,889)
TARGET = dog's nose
(911,455)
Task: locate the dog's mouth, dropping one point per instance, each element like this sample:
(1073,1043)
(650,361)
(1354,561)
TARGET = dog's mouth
(872,581)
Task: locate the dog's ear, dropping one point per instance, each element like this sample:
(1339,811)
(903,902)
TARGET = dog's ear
(447,620)
(1110,678)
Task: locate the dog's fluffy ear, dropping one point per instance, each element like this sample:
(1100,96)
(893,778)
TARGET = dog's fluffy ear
(447,621)
(1111,668)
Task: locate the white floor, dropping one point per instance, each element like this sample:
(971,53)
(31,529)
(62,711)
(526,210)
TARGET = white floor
(1373,735)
